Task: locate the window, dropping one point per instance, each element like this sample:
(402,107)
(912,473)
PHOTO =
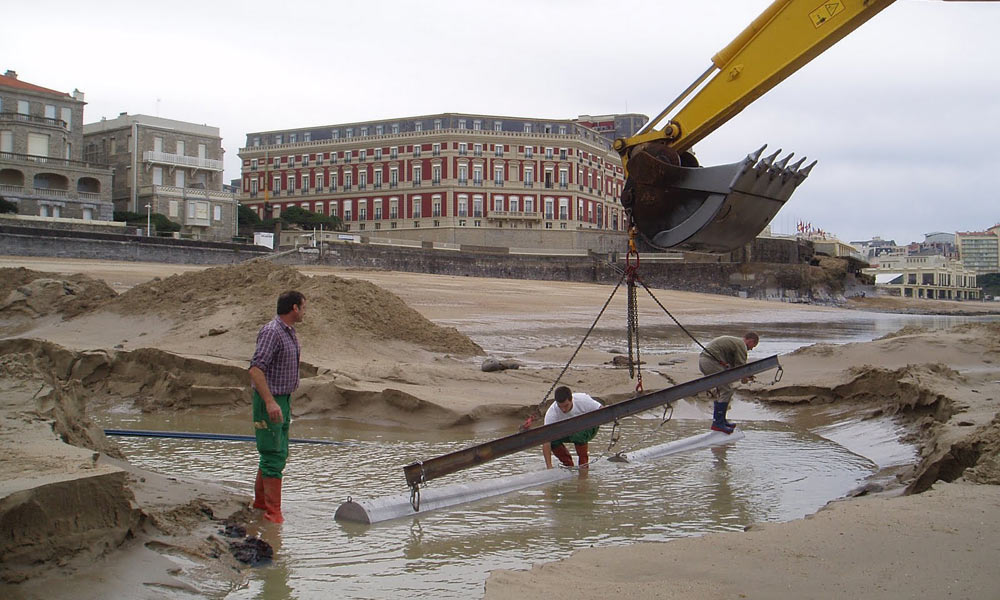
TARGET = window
(416,150)
(305,182)
(379,130)
(415,206)
(498,150)
(463,206)
(529,176)
(362,179)
(393,177)
(563,178)
(378,209)
(180,147)
(333,209)
(562,130)
(349,132)
(394,152)
(549,208)
(347,210)
(347,180)
(393,208)
(477,206)
(528,150)
(378,154)
(437,124)
(418,126)
(395,128)
(67,116)
(436,206)
(292,138)
(378,179)
(435,174)
(463,174)
(563,208)
(416,175)
(548,153)
(436,149)
(477,150)
(498,175)
(497,125)
(529,204)
(157,175)
(333,181)
(276,184)
(254,186)
(498,203)
(291,184)
(363,155)
(335,134)
(364,132)
(50,111)
(24,108)
(362,210)
(216,212)
(461,123)
(477,175)
(477,125)
(277,139)
(463,148)
(6,141)
(307,136)
(527,128)
(513,203)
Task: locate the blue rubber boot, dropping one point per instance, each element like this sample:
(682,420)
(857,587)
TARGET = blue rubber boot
(719,422)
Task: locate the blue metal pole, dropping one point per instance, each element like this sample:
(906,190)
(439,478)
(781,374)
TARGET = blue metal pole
(226,437)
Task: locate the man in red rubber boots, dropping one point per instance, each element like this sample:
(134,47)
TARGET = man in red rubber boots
(566,406)
(274,375)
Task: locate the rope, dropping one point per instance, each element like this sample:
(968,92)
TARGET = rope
(537,412)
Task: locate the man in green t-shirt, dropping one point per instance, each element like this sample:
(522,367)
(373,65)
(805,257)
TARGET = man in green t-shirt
(725,352)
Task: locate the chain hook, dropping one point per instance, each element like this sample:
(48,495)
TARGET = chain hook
(415,497)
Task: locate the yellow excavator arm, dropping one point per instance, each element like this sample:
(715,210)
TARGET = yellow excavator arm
(675,204)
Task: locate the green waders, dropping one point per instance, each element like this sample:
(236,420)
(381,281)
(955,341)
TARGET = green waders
(272,438)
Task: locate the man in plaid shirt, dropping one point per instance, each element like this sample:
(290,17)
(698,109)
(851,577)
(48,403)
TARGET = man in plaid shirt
(274,375)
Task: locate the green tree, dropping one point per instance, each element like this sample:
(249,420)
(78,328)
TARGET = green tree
(6,206)
(990,282)
(159,221)
(247,216)
(296,215)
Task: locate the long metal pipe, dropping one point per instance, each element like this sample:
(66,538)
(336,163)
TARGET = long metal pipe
(422,471)
(225,437)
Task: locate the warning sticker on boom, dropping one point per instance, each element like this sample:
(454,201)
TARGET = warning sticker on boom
(825,12)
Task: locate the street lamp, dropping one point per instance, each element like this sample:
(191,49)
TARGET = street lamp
(149,231)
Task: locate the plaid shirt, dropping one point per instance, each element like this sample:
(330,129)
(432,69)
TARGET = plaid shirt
(277,355)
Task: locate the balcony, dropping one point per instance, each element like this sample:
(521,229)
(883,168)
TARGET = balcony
(186,192)
(13,117)
(514,214)
(179,160)
(50,160)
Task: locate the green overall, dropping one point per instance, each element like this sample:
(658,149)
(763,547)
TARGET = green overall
(272,438)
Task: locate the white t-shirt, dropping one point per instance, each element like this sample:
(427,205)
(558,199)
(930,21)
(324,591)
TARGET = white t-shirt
(582,403)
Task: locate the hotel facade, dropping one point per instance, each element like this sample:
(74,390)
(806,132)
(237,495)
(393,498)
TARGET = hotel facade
(466,178)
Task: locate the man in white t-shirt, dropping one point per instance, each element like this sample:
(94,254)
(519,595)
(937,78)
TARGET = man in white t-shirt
(566,406)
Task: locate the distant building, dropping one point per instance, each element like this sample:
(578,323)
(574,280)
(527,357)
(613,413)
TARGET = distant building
(931,277)
(875,247)
(980,250)
(613,127)
(42,167)
(939,243)
(450,177)
(174,167)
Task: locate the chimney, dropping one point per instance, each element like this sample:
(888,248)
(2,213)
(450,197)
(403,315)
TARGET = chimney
(78,95)
(11,73)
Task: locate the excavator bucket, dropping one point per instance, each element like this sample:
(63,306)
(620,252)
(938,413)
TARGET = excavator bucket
(677,205)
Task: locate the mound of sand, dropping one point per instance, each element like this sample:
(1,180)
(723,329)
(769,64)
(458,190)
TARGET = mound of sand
(31,294)
(336,308)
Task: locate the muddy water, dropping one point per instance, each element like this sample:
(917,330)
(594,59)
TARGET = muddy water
(777,473)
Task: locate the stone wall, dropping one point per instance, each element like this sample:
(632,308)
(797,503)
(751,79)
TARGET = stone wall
(27,241)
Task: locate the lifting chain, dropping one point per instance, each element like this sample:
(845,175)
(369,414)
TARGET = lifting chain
(631,275)
(616,434)
(415,497)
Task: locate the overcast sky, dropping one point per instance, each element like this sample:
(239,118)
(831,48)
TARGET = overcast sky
(903,114)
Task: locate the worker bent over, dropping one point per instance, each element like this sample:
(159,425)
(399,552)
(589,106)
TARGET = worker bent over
(725,352)
(566,406)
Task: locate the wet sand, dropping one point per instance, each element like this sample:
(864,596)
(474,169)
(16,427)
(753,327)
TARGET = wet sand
(945,387)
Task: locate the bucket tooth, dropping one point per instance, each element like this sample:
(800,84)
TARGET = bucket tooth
(756,155)
(781,163)
(805,172)
(797,164)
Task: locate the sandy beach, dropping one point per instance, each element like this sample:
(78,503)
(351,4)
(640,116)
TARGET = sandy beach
(77,336)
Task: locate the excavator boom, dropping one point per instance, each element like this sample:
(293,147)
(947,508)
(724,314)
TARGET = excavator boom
(674,203)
